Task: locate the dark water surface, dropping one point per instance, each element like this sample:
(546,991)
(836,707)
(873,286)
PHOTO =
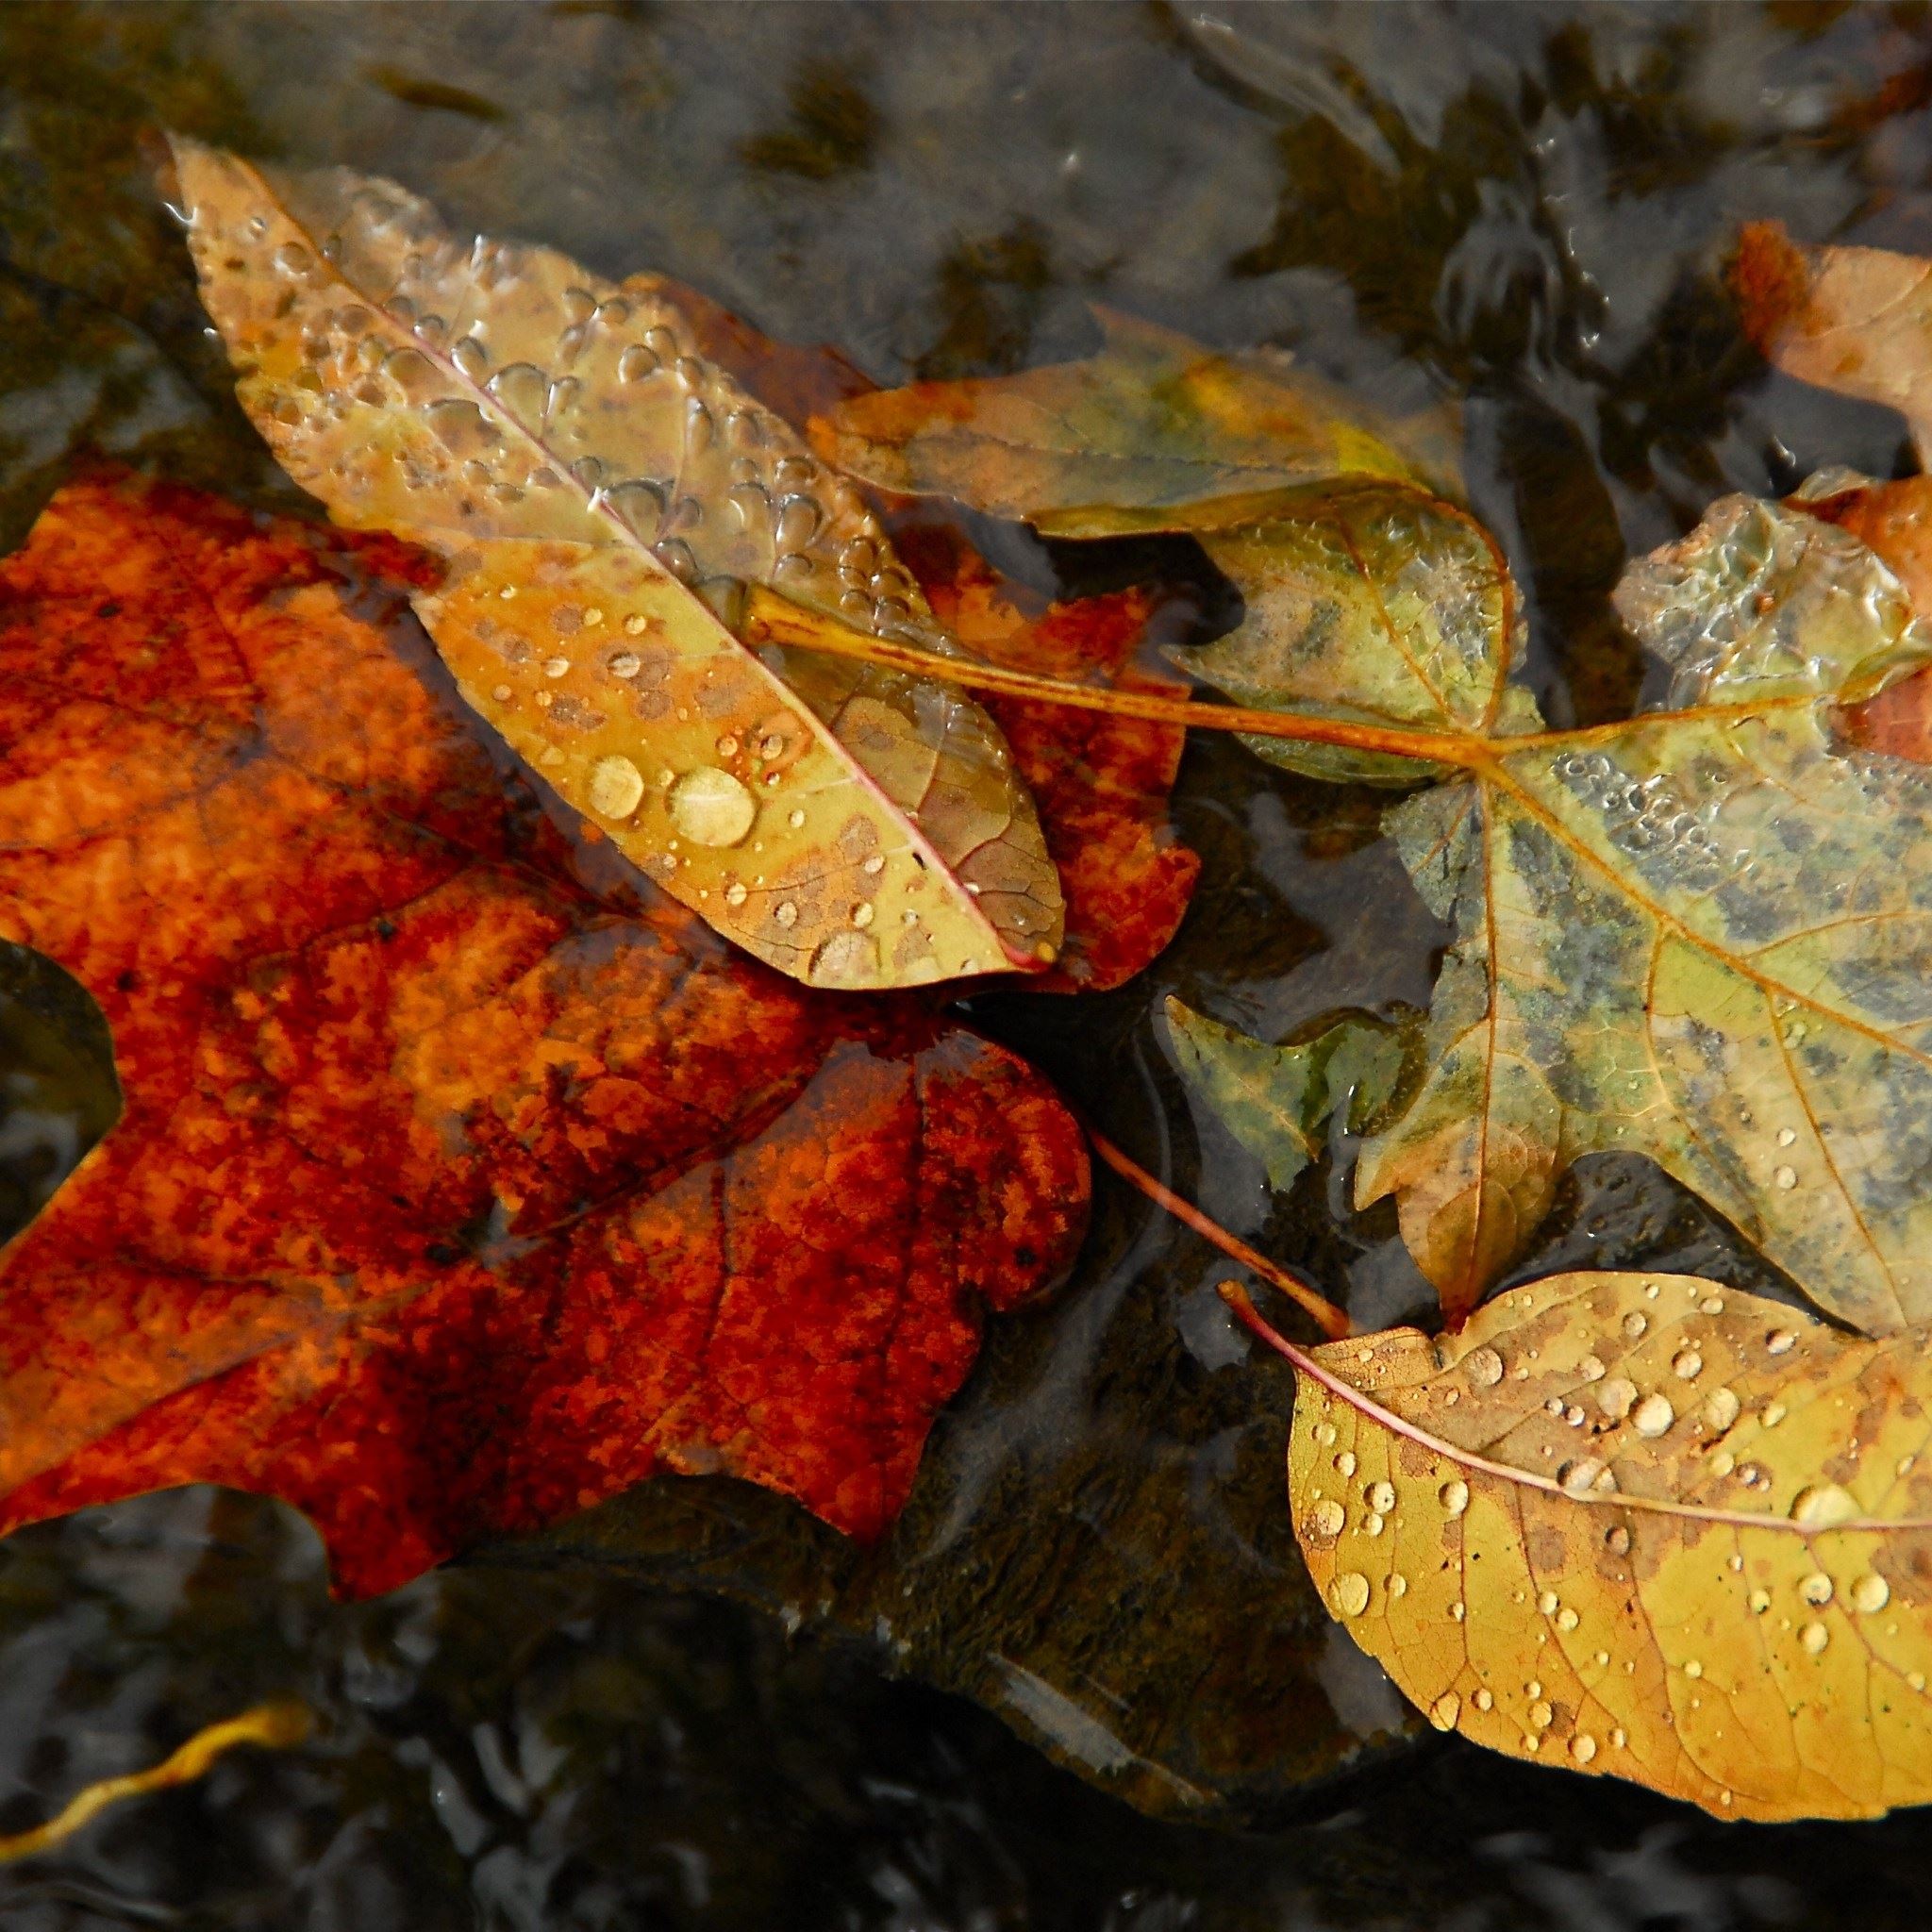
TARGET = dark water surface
(1512,217)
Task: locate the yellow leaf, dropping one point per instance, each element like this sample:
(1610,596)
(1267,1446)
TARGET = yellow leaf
(602,494)
(1642,1526)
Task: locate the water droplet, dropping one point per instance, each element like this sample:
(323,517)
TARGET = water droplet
(1583,1747)
(1328,1519)
(1381,1497)
(556,667)
(616,787)
(1654,1415)
(1543,1715)
(1566,1618)
(471,358)
(1720,1408)
(1870,1595)
(1398,1585)
(1484,1366)
(1616,1396)
(786,914)
(1711,1305)
(861,915)
(1453,1496)
(1635,1323)
(1780,1341)
(1693,1668)
(1816,1588)
(1822,1505)
(1785,1136)
(1458,1610)
(1484,1700)
(735,893)
(1774,1412)
(636,363)
(292,258)
(1350,1592)
(1687,1364)
(1345,1463)
(1590,1368)
(1446,1710)
(1578,1477)
(711,807)
(1759,1601)
(1324,1434)
(1786,1178)
(1572,1417)
(1547,1603)
(1814,1636)
(795,817)
(846,958)
(1617,1539)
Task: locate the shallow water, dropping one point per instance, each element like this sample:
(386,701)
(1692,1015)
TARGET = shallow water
(1510,218)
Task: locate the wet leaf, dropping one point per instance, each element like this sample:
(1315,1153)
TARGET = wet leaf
(1855,320)
(1376,602)
(1113,443)
(1698,935)
(1638,1526)
(599,491)
(451,1196)
(1276,1100)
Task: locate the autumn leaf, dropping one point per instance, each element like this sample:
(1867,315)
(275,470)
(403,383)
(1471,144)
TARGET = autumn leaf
(1642,1527)
(596,488)
(1277,1100)
(1152,421)
(451,1196)
(1855,320)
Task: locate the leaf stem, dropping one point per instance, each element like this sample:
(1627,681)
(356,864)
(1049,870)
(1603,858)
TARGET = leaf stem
(773,619)
(276,1727)
(1333,1321)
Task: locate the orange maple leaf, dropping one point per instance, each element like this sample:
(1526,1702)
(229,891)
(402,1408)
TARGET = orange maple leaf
(451,1196)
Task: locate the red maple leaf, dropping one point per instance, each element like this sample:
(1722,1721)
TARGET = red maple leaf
(450,1195)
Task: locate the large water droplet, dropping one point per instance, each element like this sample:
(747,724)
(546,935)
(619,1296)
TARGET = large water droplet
(847,958)
(523,389)
(1814,1636)
(1821,1504)
(1328,1519)
(1654,1415)
(1870,1595)
(1615,1397)
(1484,1366)
(1453,1496)
(711,807)
(616,787)
(1350,1592)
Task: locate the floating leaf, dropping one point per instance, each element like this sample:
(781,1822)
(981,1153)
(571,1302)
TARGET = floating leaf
(1642,1527)
(1152,421)
(590,481)
(1855,320)
(450,1196)
(1276,1100)
(1703,935)
(1376,603)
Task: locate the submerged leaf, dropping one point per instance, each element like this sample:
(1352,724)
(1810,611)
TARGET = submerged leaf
(1276,1100)
(1371,602)
(1152,421)
(450,1197)
(1855,320)
(560,441)
(1640,1526)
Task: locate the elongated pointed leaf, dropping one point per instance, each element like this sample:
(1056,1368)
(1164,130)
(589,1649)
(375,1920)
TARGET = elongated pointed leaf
(1111,443)
(561,441)
(1643,1527)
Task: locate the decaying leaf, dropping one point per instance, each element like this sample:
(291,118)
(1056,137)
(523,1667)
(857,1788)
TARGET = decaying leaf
(1153,420)
(1856,320)
(1276,1100)
(450,1196)
(1702,934)
(1643,1527)
(597,490)
(1371,602)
